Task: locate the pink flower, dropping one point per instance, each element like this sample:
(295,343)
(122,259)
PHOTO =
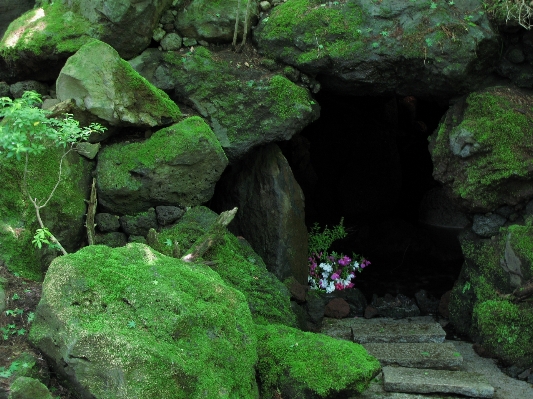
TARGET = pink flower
(344,261)
(350,285)
(335,276)
(364,263)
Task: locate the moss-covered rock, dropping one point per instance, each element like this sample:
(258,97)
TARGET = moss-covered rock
(107,86)
(64,215)
(26,387)
(302,365)
(177,165)
(245,107)
(486,302)
(37,43)
(482,149)
(238,265)
(132,323)
(433,47)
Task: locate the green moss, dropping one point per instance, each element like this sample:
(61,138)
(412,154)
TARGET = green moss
(163,146)
(50,28)
(507,329)
(17,215)
(302,364)
(170,328)
(287,97)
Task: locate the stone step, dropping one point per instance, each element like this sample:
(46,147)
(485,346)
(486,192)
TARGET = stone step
(412,329)
(411,380)
(418,355)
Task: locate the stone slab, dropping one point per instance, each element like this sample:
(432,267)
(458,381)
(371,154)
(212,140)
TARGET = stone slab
(402,379)
(418,355)
(412,329)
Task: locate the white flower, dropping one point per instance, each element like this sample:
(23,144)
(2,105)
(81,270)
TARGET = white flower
(330,287)
(326,267)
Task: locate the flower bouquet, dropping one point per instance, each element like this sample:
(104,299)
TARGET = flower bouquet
(333,272)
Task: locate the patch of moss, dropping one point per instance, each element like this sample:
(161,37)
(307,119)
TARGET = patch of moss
(301,364)
(51,29)
(506,329)
(171,329)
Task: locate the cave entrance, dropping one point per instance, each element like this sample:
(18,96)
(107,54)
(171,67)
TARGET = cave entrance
(366,160)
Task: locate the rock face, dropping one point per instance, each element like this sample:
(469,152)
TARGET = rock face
(106,86)
(271,211)
(435,50)
(482,150)
(178,165)
(214,21)
(126,25)
(245,108)
(132,323)
(489,301)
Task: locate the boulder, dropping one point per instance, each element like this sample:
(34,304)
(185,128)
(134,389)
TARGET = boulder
(126,25)
(297,364)
(372,48)
(36,45)
(12,9)
(105,85)
(244,106)
(178,165)
(236,262)
(214,21)
(139,224)
(482,149)
(64,215)
(271,211)
(26,388)
(132,323)
(489,302)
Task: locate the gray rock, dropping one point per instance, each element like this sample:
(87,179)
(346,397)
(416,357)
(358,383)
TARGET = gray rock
(167,215)
(158,34)
(426,303)
(212,21)
(488,225)
(261,183)
(397,308)
(106,222)
(171,42)
(4,89)
(189,41)
(178,165)
(140,224)
(88,150)
(119,95)
(114,239)
(18,89)
(10,10)
(265,5)
(516,55)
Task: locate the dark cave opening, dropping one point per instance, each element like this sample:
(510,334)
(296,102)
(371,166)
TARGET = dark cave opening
(366,160)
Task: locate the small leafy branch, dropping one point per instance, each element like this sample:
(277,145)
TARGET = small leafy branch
(320,241)
(27,130)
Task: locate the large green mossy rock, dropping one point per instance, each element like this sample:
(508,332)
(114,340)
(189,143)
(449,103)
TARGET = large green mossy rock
(132,323)
(486,302)
(105,85)
(302,365)
(36,44)
(28,388)
(244,106)
(64,215)
(482,150)
(177,165)
(238,265)
(363,47)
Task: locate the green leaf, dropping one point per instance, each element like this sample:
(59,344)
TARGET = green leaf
(131,324)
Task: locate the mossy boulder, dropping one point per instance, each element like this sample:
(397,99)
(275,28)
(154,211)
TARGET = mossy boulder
(362,47)
(303,365)
(177,165)
(482,149)
(26,388)
(64,215)
(486,301)
(36,44)
(236,262)
(214,21)
(245,107)
(132,323)
(106,86)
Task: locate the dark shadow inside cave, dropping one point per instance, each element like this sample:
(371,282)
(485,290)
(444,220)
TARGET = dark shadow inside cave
(366,159)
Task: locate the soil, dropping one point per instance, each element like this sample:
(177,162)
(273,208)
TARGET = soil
(22,297)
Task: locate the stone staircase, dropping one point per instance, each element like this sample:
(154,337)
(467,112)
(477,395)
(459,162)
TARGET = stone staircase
(415,359)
